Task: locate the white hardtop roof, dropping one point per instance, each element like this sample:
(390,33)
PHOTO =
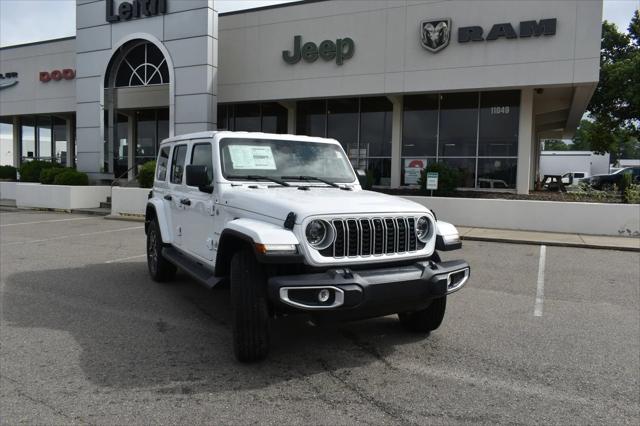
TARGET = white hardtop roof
(247,135)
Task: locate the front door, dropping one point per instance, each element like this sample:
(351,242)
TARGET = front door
(198,227)
(175,197)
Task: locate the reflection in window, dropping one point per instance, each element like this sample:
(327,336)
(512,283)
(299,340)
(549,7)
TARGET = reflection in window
(28,133)
(202,156)
(497,173)
(342,124)
(458,124)
(466,167)
(145,136)
(380,170)
(247,117)
(44,137)
(274,118)
(311,118)
(163,161)
(499,121)
(60,140)
(420,125)
(6,141)
(376,115)
(177,163)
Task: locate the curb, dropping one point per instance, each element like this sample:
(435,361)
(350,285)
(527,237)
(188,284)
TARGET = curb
(552,243)
(128,218)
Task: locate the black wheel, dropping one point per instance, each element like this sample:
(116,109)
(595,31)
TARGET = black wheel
(250,310)
(160,269)
(425,320)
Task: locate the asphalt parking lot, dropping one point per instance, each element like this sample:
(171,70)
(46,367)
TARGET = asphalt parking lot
(87,337)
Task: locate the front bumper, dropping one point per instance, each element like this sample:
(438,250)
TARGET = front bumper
(346,294)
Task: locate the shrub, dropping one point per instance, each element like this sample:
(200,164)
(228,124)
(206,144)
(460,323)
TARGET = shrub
(632,194)
(625,182)
(30,170)
(47,176)
(448,178)
(8,172)
(146,174)
(71,177)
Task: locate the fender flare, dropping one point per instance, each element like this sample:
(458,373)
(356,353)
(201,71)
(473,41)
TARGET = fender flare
(262,232)
(156,208)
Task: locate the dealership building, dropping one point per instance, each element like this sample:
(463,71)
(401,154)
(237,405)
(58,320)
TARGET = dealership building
(400,83)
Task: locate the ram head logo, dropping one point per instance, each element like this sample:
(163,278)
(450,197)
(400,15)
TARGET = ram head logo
(435,34)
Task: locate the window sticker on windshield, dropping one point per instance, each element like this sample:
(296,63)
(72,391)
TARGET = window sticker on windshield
(252,157)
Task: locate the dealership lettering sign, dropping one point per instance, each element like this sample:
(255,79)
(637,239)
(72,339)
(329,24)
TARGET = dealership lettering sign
(134,9)
(57,75)
(435,33)
(341,49)
(8,79)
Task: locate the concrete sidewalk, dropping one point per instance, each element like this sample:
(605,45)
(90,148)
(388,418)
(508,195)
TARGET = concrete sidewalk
(550,238)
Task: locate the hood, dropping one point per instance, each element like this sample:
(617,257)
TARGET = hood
(277,202)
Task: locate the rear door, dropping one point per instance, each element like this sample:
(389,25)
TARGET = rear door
(198,228)
(175,196)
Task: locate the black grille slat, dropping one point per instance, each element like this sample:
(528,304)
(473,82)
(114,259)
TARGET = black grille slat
(377,236)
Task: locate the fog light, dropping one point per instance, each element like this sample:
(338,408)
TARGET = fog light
(324,295)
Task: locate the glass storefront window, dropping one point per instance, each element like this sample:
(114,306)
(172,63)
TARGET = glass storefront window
(44,138)
(466,167)
(458,131)
(497,173)
(121,148)
(163,125)
(6,141)
(274,118)
(222,122)
(145,136)
(499,122)
(342,124)
(59,128)
(247,117)
(28,133)
(380,170)
(311,118)
(376,115)
(420,125)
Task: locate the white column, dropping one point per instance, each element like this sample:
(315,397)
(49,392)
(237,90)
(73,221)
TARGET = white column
(396,141)
(525,140)
(291,116)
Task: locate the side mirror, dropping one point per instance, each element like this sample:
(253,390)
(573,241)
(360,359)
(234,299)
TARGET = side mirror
(198,176)
(362,178)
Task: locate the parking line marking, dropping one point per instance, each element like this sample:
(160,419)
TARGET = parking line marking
(71,236)
(46,221)
(125,258)
(537,311)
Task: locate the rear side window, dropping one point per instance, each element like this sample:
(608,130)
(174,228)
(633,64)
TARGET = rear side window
(163,162)
(177,163)
(201,155)
(579,175)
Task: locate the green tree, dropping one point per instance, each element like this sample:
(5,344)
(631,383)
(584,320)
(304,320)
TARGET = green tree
(555,145)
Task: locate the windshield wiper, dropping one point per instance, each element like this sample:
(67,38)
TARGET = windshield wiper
(317,179)
(258,177)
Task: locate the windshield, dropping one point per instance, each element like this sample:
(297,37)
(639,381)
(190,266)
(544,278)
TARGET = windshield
(278,158)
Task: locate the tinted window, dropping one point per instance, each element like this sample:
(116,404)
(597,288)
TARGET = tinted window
(458,124)
(342,123)
(248,117)
(274,118)
(499,118)
(311,118)
(201,156)
(375,126)
(579,175)
(177,163)
(420,125)
(501,171)
(163,161)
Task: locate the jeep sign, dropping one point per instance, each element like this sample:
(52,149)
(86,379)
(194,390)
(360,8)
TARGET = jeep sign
(341,49)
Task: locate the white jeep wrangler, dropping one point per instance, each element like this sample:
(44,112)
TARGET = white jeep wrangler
(284,221)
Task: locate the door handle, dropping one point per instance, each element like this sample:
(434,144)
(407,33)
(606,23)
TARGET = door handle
(185,201)
(168,197)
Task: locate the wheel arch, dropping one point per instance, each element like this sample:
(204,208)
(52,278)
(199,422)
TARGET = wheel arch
(153,211)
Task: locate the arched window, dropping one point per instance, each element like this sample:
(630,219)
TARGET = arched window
(144,65)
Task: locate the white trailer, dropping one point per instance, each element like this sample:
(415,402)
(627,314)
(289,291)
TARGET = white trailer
(562,162)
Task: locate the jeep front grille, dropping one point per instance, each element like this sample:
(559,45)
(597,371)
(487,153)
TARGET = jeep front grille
(372,236)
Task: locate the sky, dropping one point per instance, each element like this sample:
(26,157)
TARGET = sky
(26,21)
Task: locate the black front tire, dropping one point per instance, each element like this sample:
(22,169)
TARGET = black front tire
(160,269)
(250,309)
(425,320)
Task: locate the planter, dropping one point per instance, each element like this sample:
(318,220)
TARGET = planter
(547,216)
(60,197)
(129,201)
(8,190)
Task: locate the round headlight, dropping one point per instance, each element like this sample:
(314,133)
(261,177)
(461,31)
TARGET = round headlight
(423,227)
(319,234)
